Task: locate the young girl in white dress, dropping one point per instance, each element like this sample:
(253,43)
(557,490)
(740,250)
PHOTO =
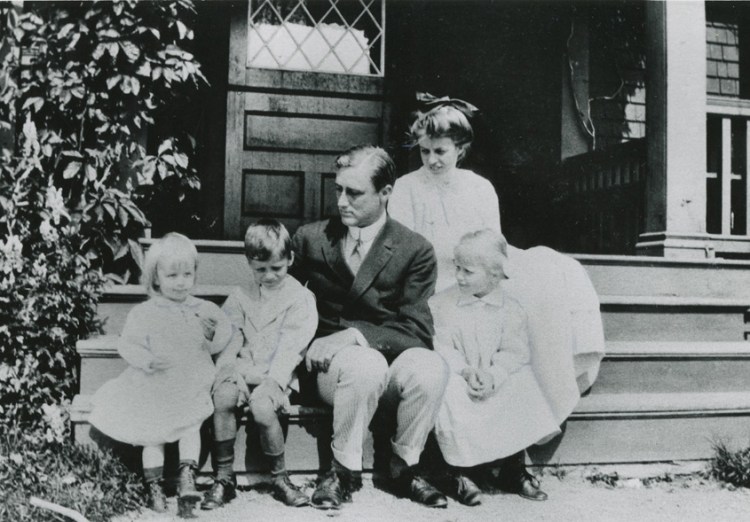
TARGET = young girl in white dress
(165,393)
(442,202)
(493,406)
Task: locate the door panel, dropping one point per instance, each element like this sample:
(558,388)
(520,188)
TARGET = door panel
(284,131)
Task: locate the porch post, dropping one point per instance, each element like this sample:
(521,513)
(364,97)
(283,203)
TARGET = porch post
(675,200)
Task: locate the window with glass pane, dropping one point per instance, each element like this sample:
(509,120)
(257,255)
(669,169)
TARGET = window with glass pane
(335,36)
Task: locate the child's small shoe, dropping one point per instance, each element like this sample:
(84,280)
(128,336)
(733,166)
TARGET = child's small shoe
(186,487)
(219,494)
(287,492)
(157,500)
(467,492)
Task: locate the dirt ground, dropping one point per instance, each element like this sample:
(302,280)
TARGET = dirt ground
(666,493)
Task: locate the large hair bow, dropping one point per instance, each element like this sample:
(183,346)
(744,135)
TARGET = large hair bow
(428,101)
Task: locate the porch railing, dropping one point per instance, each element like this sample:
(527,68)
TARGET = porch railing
(600,197)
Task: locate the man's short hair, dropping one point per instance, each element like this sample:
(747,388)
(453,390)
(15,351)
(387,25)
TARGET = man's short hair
(383,171)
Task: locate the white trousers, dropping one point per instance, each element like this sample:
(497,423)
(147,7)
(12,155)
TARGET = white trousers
(356,380)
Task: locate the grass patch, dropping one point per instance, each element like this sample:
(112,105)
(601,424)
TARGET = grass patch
(730,466)
(664,478)
(606,479)
(82,478)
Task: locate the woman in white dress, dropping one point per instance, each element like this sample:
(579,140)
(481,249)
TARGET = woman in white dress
(442,202)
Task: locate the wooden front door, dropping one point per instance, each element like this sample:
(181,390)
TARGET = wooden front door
(284,131)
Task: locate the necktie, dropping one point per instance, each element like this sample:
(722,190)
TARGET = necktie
(355,259)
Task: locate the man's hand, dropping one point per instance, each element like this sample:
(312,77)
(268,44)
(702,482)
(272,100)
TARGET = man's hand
(322,350)
(272,390)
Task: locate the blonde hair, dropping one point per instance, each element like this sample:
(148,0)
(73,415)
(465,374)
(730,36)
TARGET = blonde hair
(171,247)
(444,121)
(486,247)
(267,238)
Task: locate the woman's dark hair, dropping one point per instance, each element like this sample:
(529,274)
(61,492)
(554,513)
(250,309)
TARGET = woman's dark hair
(443,121)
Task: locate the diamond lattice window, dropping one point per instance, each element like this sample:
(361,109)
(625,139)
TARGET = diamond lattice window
(339,36)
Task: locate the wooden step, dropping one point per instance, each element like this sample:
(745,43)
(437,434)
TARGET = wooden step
(658,276)
(649,427)
(628,366)
(224,263)
(100,362)
(604,428)
(636,427)
(662,367)
(625,317)
(674,318)
(219,262)
(117,301)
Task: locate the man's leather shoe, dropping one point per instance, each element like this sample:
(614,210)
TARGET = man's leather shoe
(219,494)
(467,492)
(330,492)
(287,492)
(419,490)
(529,488)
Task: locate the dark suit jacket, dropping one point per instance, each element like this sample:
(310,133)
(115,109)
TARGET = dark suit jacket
(387,301)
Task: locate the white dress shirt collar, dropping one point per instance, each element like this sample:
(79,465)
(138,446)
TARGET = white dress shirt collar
(367,234)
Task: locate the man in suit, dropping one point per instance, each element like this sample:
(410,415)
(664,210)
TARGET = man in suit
(372,278)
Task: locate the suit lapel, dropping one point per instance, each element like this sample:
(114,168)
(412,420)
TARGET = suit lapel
(333,254)
(378,256)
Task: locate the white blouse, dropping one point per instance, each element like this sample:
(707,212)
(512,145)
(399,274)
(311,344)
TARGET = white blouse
(442,210)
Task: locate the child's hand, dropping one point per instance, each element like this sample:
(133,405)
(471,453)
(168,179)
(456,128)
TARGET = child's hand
(473,378)
(209,326)
(469,374)
(485,385)
(159,364)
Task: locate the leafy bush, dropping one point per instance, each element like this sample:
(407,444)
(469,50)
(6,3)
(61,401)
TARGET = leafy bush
(47,302)
(79,84)
(88,78)
(730,466)
(78,477)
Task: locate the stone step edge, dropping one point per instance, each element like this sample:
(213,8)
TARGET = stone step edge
(130,293)
(134,293)
(238,247)
(611,300)
(676,349)
(81,407)
(105,346)
(606,406)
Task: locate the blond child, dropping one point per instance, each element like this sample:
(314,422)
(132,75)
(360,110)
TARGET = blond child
(164,394)
(277,318)
(493,406)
